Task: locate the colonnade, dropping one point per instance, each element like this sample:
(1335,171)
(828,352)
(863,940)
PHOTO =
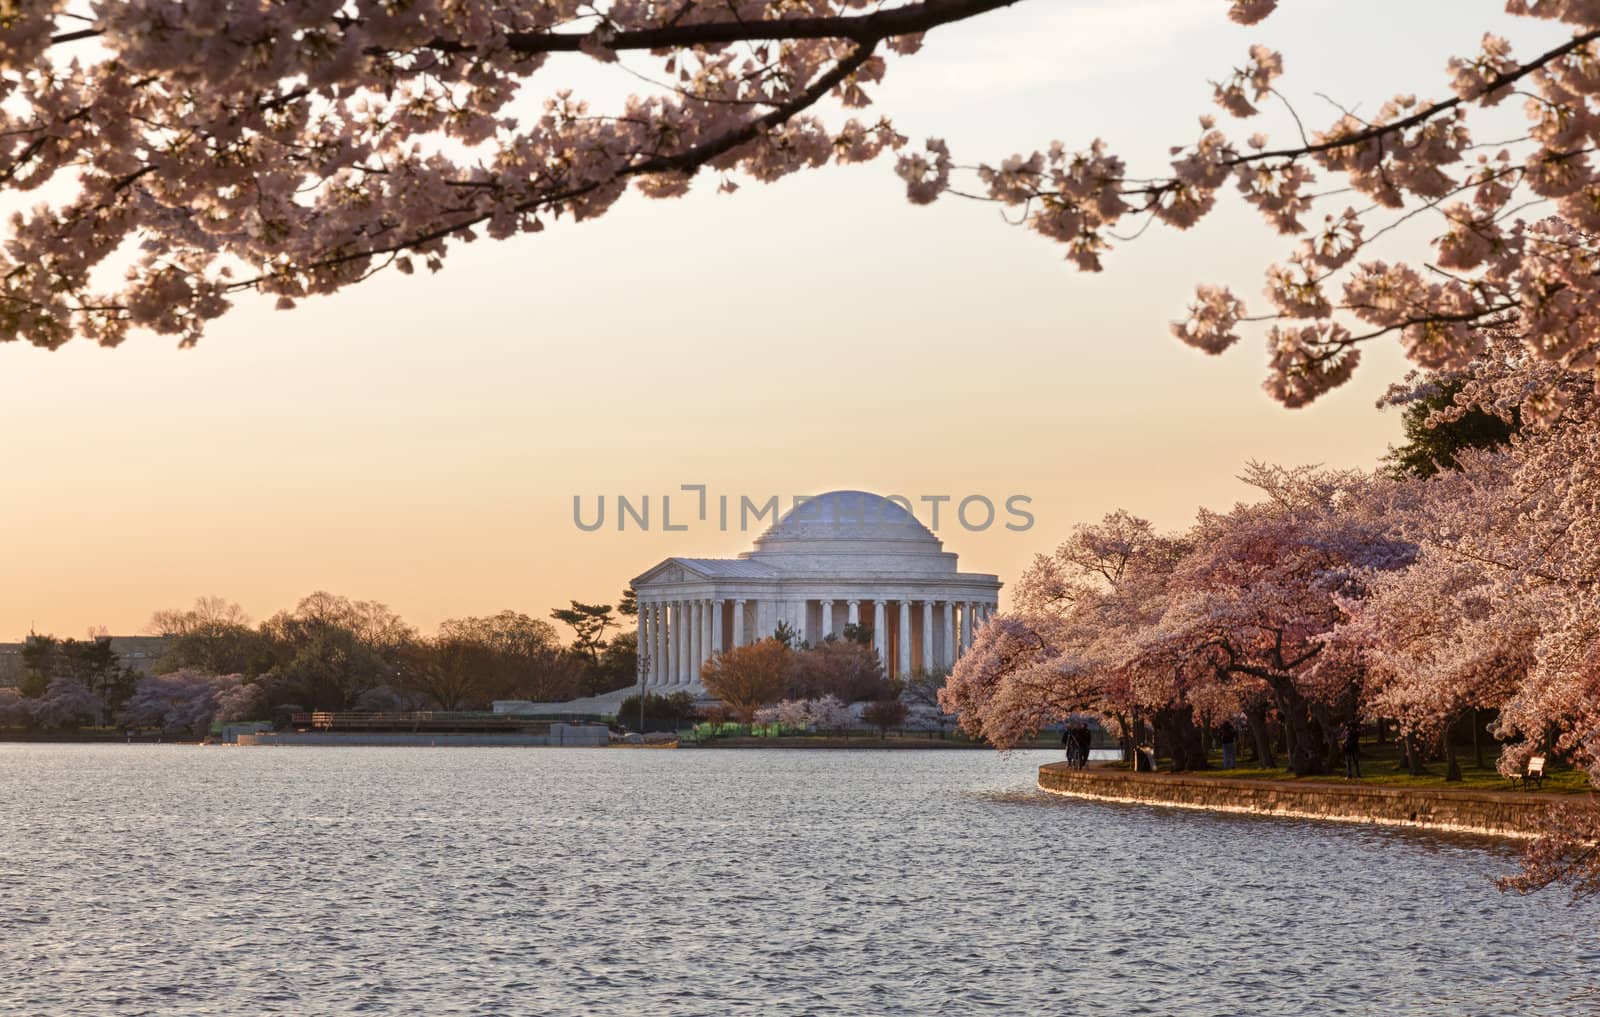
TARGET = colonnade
(678,636)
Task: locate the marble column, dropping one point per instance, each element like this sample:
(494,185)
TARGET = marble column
(824,619)
(854,616)
(645,638)
(686,658)
(658,666)
(880,640)
(649,631)
(738,623)
(903,647)
(966,625)
(680,646)
(706,646)
(717,607)
(696,640)
(663,644)
(928,666)
(947,652)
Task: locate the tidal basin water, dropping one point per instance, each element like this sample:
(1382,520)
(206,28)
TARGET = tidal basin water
(212,880)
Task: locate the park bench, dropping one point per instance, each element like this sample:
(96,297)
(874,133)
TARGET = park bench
(1535,772)
(1144,758)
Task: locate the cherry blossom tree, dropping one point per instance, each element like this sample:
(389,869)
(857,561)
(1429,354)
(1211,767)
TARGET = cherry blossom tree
(1509,564)
(1268,581)
(67,702)
(1439,639)
(1231,616)
(1501,604)
(299,147)
(1070,645)
(830,713)
(187,703)
(15,709)
(794,713)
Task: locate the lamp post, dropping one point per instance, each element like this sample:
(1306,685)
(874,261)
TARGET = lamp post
(644,669)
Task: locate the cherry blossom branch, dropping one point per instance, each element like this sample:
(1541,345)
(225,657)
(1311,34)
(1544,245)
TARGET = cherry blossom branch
(686,162)
(912,19)
(1379,131)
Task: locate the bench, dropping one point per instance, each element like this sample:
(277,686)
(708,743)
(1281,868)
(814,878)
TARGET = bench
(1535,773)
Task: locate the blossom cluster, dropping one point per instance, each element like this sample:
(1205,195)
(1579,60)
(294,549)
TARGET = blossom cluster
(828,713)
(295,148)
(182,703)
(185,703)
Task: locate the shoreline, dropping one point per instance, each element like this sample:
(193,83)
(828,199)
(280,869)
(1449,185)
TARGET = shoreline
(1513,815)
(822,742)
(294,740)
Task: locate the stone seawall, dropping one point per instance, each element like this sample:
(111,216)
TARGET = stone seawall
(1492,813)
(566,735)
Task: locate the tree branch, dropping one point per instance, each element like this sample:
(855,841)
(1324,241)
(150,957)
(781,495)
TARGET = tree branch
(1494,84)
(687,161)
(860,28)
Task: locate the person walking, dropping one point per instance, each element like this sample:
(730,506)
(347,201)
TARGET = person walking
(1084,740)
(1069,744)
(1352,751)
(1228,736)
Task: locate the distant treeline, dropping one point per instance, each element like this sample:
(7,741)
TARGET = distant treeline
(329,653)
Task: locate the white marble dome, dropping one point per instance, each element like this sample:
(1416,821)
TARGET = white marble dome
(844,516)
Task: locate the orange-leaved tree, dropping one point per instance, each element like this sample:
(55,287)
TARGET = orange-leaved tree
(746,677)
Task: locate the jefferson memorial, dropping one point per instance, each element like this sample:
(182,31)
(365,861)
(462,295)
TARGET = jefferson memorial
(841,558)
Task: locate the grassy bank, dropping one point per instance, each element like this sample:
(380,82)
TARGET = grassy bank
(1381,767)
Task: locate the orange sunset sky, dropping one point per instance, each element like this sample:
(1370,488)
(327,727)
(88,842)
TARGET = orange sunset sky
(419,441)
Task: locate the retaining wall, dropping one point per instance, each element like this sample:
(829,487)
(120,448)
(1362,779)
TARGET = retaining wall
(1494,813)
(569,735)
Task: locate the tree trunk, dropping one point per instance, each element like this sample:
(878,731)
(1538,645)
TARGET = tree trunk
(1305,756)
(1256,716)
(1477,737)
(1327,730)
(1452,771)
(1413,756)
(1182,737)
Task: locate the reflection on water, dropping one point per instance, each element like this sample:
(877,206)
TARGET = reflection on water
(180,880)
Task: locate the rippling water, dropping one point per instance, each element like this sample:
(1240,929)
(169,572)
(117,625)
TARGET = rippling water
(184,880)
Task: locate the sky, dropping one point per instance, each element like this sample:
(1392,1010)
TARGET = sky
(420,441)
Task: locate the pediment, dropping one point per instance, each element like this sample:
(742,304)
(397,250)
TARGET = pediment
(669,571)
(689,570)
(674,570)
